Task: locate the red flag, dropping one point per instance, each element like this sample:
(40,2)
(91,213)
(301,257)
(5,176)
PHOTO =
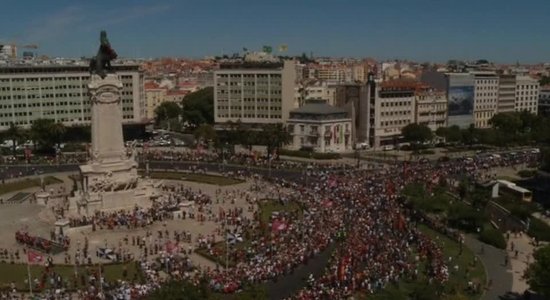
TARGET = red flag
(34,257)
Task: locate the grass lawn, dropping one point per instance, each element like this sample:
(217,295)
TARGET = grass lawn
(26,183)
(201,178)
(17,273)
(458,281)
(268,206)
(455,287)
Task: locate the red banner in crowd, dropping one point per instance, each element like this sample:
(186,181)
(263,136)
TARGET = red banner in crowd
(34,257)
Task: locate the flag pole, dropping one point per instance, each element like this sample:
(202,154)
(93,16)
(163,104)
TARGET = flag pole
(29,274)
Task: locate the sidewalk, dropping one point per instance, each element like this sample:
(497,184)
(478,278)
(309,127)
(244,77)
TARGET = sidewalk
(522,244)
(498,274)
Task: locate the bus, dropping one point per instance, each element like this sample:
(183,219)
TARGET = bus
(507,188)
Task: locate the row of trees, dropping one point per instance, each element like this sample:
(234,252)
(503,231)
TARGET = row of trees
(507,129)
(44,133)
(273,136)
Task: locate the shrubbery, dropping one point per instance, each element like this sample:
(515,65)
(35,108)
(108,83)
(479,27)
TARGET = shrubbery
(307,154)
(493,237)
(539,230)
(527,173)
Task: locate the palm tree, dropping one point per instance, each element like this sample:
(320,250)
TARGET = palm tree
(14,134)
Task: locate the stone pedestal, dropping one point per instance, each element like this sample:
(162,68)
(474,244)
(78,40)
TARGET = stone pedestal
(109,181)
(61,227)
(42,198)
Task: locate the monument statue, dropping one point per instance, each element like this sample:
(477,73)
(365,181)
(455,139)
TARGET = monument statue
(101,63)
(109,181)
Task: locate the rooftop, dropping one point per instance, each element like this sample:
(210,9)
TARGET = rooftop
(318,107)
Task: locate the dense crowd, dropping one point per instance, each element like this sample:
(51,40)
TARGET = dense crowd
(356,212)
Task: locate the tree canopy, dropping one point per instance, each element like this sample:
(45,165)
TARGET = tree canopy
(417,133)
(198,108)
(167,111)
(46,133)
(538,273)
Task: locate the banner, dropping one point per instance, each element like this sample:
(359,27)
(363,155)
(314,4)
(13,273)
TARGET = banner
(34,257)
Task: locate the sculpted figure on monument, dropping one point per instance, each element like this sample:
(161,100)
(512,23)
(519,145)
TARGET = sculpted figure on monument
(101,63)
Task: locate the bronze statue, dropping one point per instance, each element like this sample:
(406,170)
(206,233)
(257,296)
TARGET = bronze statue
(101,63)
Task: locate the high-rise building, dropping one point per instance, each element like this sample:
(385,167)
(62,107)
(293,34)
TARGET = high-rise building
(59,92)
(506,93)
(353,97)
(527,94)
(254,93)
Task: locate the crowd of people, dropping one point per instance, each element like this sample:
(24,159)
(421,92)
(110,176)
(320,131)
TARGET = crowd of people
(354,212)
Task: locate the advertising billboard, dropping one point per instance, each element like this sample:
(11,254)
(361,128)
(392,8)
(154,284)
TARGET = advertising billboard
(461,96)
(461,100)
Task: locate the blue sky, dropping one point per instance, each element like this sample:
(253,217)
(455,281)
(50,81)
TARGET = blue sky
(423,30)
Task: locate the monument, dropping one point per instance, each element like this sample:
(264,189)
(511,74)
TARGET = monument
(109,181)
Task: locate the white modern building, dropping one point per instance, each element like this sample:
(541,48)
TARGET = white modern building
(320,127)
(527,94)
(254,92)
(59,92)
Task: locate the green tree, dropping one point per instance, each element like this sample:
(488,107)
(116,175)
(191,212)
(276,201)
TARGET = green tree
(198,108)
(166,111)
(15,135)
(274,136)
(46,133)
(451,134)
(417,133)
(58,131)
(538,273)
(205,132)
(545,165)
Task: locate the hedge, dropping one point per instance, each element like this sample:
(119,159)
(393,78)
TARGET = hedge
(307,154)
(493,237)
(539,230)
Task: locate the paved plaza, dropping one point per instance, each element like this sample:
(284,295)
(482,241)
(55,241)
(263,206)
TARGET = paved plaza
(37,221)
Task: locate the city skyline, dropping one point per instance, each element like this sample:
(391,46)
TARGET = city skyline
(500,31)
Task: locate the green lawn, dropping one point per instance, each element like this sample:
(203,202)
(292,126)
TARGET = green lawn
(26,183)
(454,288)
(17,273)
(201,178)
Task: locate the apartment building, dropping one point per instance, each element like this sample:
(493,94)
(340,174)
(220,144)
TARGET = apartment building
(59,92)
(394,108)
(527,94)
(431,107)
(486,92)
(254,93)
(506,93)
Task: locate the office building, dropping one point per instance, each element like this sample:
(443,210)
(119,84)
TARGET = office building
(320,127)
(254,92)
(60,92)
(527,94)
